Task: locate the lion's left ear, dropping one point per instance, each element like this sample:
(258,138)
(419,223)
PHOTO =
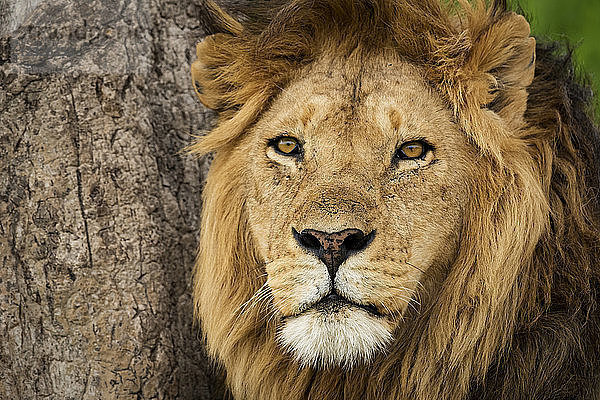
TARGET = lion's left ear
(503,60)
(491,91)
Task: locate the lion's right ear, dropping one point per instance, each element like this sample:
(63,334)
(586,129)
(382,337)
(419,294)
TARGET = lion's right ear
(217,20)
(235,74)
(222,81)
(207,70)
(215,55)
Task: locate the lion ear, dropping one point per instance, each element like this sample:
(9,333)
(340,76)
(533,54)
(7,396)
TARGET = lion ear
(221,72)
(220,76)
(216,20)
(211,59)
(501,65)
(214,55)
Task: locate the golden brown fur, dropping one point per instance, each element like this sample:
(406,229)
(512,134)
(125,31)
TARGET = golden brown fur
(509,308)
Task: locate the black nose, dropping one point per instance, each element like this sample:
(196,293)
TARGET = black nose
(333,248)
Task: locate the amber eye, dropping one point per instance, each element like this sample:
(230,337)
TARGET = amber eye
(286,145)
(412,150)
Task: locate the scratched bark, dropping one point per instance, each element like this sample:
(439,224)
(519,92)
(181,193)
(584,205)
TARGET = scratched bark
(99,209)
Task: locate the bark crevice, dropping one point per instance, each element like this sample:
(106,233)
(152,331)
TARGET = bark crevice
(77,142)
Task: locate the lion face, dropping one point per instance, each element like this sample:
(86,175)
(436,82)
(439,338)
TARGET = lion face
(390,184)
(357,180)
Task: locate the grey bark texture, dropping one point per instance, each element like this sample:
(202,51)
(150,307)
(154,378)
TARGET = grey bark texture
(99,205)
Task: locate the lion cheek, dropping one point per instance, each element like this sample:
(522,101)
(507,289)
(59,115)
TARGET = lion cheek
(389,286)
(296,284)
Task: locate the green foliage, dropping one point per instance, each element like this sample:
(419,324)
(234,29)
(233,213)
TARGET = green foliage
(578,23)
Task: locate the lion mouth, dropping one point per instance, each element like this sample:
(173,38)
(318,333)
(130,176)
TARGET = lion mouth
(332,303)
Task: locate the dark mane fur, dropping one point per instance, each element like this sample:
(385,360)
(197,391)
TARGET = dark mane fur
(555,351)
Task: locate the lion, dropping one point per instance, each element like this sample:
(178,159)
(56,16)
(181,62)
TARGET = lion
(403,204)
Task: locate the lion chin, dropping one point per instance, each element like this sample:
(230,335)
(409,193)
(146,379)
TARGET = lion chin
(333,333)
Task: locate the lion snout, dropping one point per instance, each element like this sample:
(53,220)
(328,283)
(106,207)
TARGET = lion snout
(333,248)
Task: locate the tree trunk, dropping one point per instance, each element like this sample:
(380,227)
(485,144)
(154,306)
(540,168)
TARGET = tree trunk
(99,205)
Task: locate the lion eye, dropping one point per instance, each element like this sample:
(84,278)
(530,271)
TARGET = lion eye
(411,150)
(287,145)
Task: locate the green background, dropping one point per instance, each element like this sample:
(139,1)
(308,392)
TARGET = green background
(575,21)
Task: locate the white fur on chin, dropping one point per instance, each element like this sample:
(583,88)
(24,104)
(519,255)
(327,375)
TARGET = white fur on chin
(344,338)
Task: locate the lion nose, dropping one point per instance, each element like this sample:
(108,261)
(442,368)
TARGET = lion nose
(333,248)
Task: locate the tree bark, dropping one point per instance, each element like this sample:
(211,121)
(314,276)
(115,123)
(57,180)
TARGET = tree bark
(99,205)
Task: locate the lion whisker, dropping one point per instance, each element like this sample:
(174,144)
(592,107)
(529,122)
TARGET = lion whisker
(252,299)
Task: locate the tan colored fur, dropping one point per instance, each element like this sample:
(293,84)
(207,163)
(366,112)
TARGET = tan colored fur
(453,263)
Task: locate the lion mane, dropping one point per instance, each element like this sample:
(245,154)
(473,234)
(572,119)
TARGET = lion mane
(516,315)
